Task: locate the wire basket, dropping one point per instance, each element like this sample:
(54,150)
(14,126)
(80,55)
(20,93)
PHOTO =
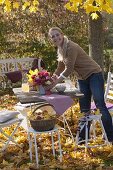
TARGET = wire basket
(43,125)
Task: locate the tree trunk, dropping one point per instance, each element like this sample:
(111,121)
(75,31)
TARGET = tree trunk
(96,40)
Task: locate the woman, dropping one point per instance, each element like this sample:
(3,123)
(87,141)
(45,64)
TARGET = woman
(71,57)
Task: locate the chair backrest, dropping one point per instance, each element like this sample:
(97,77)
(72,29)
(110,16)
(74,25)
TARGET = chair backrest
(15,64)
(109,87)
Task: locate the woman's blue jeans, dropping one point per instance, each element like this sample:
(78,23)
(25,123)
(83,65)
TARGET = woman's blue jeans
(94,86)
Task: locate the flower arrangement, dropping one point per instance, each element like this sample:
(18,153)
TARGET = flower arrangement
(37,77)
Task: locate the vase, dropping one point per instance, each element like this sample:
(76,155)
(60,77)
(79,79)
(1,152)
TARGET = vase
(41,90)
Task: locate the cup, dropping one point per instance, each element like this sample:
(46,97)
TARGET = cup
(25,87)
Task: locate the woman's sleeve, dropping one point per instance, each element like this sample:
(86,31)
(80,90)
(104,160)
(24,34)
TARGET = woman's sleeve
(60,68)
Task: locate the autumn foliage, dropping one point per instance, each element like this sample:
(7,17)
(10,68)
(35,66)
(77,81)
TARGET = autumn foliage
(74,158)
(90,6)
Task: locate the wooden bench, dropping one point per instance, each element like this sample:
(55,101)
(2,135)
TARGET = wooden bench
(11,69)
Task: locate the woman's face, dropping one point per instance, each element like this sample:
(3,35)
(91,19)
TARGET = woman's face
(56,37)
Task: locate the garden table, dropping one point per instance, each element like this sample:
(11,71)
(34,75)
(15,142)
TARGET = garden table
(60,101)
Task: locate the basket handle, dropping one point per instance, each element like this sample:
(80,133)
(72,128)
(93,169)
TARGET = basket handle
(41,105)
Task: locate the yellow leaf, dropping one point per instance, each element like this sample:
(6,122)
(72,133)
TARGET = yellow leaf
(94,15)
(76,154)
(26,4)
(7,8)
(7,2)
(16,5)
(72,7)
(32,8)
(2,1)
(5,162)
(30,80)
(21,139)
(31,72)
(36,71)
(68,6)
(35,2)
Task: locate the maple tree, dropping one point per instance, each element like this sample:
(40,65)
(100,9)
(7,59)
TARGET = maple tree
(94,8)
(91,7)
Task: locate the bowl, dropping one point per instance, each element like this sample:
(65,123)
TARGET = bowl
(60,87)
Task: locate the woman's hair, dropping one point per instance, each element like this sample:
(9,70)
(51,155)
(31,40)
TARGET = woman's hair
(37,62)
(55,28)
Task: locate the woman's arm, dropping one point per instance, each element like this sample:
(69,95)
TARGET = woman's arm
(60,68)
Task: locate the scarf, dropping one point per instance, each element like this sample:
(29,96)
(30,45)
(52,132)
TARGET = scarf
(61,52)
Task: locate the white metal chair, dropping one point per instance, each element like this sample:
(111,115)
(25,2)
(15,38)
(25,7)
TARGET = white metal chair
(94,118)
(34,133)
(7,121)
(84,123)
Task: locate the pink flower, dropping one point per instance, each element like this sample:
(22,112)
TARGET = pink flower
(41,78)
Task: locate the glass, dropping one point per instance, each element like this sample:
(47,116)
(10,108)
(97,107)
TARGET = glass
(25,87)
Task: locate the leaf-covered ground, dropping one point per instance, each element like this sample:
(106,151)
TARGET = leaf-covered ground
(74,158)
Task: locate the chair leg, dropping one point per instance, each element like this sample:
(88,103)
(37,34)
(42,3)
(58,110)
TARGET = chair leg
(86,136)
(76,138)
(30,145)
(60,150)
(103,131)
(53,148)
(80,128)
(93,129)
(36,151)
(65,121)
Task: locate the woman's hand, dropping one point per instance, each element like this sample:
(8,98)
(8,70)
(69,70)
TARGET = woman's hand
(49,87)
(55,80)
(53,84)
(54,77)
